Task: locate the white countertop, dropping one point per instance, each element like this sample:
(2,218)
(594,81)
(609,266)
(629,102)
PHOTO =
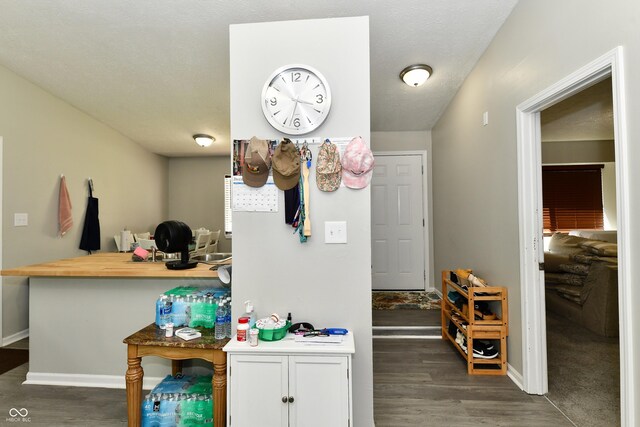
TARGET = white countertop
(288,345)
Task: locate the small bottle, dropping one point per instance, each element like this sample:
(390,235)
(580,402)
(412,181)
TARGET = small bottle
(243,329)
(250,313)
(253,337)
(220,332)
(168,331)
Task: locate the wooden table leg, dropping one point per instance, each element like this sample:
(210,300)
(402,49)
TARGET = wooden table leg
(134,385)
(219,384)
(176,367)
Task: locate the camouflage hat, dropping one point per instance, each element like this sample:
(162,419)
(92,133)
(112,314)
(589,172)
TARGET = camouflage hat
(328,168)
(257,162)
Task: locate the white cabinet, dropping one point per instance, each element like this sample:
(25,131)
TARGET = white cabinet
(288,384)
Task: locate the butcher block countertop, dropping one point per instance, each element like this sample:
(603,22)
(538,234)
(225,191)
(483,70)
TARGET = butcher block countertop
(108,265)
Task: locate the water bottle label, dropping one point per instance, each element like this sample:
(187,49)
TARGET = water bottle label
(220,319)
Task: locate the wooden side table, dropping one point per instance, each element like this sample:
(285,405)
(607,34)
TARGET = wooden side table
(150,341)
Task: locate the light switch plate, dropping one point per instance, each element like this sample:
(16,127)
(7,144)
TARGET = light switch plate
(20,219)
(335,232)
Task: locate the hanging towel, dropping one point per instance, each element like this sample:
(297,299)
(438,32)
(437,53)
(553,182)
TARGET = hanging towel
(90,240)
(65,219)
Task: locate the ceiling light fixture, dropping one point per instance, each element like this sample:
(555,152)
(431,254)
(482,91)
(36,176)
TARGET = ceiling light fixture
(415,75)
(203,140)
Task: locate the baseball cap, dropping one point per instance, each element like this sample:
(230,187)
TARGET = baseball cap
(286,165)
(328,168)
(257,161)
(357,164)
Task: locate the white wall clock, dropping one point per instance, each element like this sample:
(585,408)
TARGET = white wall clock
(296,99)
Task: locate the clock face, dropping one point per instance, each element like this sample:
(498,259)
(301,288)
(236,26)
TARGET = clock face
(296,99)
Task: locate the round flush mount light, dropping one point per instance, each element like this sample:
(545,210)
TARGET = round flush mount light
(415,75)
(203,140)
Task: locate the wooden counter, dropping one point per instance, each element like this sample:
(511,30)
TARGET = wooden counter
(108,265)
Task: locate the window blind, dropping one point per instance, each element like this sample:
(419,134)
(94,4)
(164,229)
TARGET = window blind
(572,198)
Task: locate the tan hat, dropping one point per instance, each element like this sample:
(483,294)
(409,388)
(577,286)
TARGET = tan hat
(257,162)
(328,168)
(286,165)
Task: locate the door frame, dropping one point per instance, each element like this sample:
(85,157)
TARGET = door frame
(534,342)
(426,209)
(1,199)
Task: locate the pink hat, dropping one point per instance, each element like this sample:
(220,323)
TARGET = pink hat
(357,164)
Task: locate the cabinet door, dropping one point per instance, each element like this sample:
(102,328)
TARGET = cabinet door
(257,385)
(320,390)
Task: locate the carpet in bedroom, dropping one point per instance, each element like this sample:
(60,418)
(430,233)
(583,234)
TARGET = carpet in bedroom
(584,373)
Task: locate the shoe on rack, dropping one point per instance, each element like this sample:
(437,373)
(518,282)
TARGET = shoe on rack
(482,312)
(452,329)
(454,297)
(484,350)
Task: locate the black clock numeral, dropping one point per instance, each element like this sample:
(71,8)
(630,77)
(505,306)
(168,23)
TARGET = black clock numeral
(295,77)
(273,101)
(319,98)
(296,122)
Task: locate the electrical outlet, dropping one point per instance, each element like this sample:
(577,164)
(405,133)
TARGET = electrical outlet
(335,232)
(20,219)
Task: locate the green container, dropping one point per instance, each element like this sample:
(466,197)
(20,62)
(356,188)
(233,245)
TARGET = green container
(273,334)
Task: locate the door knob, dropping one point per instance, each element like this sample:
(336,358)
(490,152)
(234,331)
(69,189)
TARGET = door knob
(290,399)
(284,399)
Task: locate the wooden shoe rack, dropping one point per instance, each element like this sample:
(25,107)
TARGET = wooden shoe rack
(494,330)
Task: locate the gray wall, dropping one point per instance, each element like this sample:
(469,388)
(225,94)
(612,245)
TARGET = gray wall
(578,151)
(43,138)
(196,193)
(324,284)
(475,167)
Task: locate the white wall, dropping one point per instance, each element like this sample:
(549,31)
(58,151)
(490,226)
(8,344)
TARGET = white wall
(475,170)
(43,138)
(196,193)
(324,284)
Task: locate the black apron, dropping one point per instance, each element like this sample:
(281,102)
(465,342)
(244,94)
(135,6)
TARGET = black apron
(90,240)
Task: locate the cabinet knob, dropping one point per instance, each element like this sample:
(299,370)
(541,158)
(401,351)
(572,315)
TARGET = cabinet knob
(284,399)
(290,399)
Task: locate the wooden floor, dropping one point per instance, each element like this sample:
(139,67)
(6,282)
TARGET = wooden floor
(425,383)
(416,383)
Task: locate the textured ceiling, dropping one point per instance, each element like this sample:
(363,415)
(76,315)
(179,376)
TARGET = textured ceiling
(158,70)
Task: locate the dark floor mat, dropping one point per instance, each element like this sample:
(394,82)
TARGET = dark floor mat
(12,358)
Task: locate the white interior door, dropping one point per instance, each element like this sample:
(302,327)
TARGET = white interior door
(397,223)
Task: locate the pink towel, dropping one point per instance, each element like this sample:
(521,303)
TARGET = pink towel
(65,220)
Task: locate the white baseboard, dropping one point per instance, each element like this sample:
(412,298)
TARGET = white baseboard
(515,376)
(15,337)
(84,380)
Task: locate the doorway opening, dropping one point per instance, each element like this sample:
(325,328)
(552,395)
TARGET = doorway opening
(581,286)
(532,261)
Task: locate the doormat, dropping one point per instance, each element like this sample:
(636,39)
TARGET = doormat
(412,300)
(12,358)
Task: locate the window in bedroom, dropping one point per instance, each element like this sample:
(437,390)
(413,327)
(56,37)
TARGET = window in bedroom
(572,198)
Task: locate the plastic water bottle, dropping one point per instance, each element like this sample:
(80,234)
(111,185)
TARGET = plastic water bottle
(228,319)
(220,332)
(163,311)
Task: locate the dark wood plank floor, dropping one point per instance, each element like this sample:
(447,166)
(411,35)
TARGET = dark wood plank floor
(416,383)
(61,406)
(425,383)
(406,317)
